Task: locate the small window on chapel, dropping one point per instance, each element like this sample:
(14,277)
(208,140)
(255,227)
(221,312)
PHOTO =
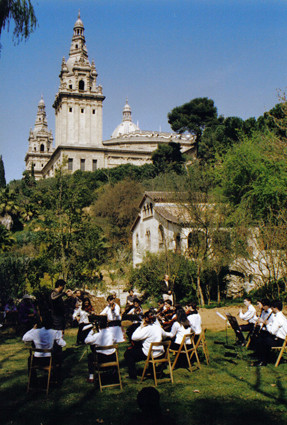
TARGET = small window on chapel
(70,109)
(82,164)
(94,111)
(82,111)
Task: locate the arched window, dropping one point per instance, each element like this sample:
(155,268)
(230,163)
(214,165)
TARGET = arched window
(42,148)
(160,237)
(177,243)
(81,85)
(137,242)
(147,240)
(196,243)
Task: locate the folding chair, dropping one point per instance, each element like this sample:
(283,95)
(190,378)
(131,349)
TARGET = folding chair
(200,343)
(102,366)
(164,359)
(35,365)
(281,352)
(183,349)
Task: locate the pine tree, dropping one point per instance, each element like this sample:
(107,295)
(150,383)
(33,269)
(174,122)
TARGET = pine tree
(2,173)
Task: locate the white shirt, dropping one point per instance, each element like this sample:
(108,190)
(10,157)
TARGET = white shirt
(279,325)
(178,331)
(114,314)
(44,339)
(102,338)
(82,314)
(267,315)
(195,323)
(149,334)
(249,315)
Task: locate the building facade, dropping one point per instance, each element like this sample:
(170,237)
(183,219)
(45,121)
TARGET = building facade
(78,108)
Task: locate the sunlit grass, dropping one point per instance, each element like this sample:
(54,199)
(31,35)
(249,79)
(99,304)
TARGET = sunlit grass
(228,391)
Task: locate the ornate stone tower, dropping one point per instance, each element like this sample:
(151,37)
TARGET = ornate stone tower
(40,143)
(78,103)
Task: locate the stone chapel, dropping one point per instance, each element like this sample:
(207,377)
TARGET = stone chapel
(79,140)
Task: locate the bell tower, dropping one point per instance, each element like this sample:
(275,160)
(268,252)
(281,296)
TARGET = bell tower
(78,103)
(40,143)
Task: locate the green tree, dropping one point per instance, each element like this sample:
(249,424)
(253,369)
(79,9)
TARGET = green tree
(2,173)
(193,117)
(168,158)
(22,14)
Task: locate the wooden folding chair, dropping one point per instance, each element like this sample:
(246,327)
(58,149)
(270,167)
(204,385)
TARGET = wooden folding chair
(281,352)
(154,361)
(183,349)
(200,343)
(101,367)
(33,366)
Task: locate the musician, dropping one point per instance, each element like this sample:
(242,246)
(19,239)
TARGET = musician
(194,319)
(180,328)
(45,338)
(250,316)
(113,313)
(277,332)
(135,315)
(168,316)
(82,314)
(146,333)
(130,300)
(266,314)
(167,289)
(104,337)
(58,305)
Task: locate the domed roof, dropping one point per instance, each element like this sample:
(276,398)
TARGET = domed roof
(126,126)
(79,22)
(41,103)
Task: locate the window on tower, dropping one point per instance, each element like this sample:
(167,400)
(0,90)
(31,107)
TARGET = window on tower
(70,109)
(82,111)
(70,86)
(94,111)
(81,85)
(42,148)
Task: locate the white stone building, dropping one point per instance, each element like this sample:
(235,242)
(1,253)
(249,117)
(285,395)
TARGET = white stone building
(79,124)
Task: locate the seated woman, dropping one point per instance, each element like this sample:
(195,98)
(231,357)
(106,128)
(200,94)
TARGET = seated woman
(81,314)
(180,328)
(194,319)
(112,311)
(135,315)
(146,333)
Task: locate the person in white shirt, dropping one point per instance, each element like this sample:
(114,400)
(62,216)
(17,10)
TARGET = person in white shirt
(194,319)
(275,337)
(249,316)
(45,338)
(82,314)
(146,333)
(113,313)
(180,328)
(102,338)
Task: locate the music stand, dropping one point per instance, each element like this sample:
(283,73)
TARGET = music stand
(235,326)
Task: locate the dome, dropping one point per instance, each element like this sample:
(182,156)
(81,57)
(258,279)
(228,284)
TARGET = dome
(79,22)
(126,126)
(41,103)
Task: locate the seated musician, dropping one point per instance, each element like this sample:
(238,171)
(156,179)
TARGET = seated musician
(130,300)
(180,328)
(81,314)
(168,316)
(194,319)
(146,333)
(275,337)
(45,338)
(113,313)
(250,316)
(102,338)
(135,315)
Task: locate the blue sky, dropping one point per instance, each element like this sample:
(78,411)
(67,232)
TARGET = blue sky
(158,53)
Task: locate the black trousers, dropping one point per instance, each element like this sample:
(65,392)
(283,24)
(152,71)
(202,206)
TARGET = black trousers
(263,346)
(132,356)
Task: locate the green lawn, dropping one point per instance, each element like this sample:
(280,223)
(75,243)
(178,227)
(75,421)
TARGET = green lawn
(228,391)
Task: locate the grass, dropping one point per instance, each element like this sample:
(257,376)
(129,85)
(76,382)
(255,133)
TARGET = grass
(228,391)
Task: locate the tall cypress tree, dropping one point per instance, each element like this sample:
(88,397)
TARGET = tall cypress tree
(2,173)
